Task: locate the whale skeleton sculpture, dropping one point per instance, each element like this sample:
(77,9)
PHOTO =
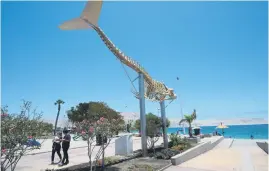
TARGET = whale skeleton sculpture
(154,90)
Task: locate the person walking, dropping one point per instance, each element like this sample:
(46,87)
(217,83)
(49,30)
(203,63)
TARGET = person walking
(56,147)
(65,145)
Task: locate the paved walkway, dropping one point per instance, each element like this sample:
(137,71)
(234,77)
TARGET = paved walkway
(228,155)
(41,161)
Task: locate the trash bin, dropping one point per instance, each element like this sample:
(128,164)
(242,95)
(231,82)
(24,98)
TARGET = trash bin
(197,130)
(99,140)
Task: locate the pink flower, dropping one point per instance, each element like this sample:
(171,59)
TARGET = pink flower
(102,119)
(91,129)
(4,114)
(83,132)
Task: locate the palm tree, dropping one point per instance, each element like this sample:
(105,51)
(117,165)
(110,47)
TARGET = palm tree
(58,102)
(189,119)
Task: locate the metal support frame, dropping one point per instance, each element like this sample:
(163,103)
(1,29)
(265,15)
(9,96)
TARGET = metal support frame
(135,79)
(182,117)
(165,140)
(142,114)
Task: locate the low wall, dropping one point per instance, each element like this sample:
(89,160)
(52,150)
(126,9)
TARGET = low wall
(263,146)
(195,151)
(194,140)
(191,153)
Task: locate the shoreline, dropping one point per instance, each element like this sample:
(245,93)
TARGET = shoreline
(249,124)
(236,138)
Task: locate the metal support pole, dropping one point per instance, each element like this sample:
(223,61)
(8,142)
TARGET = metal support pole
(165,140)
(142,114)
(182,117)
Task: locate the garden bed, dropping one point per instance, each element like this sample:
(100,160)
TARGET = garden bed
(137,164)
(157,159)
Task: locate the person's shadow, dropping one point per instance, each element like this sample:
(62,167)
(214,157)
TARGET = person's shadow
(56,163)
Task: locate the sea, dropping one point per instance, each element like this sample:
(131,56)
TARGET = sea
(234,131)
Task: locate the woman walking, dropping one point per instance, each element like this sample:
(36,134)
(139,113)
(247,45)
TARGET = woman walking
(56,147)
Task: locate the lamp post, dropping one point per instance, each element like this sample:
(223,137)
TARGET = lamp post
(142,114)
(183,126)
(165,140)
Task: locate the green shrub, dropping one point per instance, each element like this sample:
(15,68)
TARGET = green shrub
(175,140)
(111,160)
(166,154)
(178,147)
(139,167)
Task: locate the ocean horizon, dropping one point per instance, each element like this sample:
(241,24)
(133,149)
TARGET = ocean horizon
(259,131)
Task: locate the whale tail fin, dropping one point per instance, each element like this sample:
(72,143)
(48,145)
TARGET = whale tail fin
(91,12)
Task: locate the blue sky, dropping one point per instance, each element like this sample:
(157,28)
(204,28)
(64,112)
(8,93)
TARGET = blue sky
(217,49)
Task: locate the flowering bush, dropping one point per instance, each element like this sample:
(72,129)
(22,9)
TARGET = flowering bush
(16,130)
(89,130)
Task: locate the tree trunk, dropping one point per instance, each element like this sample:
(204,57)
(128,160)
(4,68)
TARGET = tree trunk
(190,131)
(154,146)
(56,121)
(89,151)
(103,155)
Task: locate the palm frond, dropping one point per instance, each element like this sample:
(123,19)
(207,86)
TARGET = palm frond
(182,120)
(59,101)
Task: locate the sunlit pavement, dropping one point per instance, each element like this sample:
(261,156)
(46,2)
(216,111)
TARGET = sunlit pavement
(237,155)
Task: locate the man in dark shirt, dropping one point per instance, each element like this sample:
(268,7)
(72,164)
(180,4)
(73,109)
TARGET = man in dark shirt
(65,145)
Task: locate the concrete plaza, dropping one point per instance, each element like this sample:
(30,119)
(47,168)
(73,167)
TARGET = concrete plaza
(228,155)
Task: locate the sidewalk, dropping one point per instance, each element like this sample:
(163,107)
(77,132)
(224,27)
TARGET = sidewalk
(77,156)
(46,146)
